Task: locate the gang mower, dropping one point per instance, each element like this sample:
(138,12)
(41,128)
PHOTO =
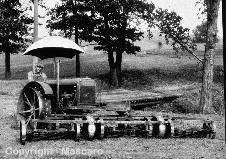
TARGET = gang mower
(78,111)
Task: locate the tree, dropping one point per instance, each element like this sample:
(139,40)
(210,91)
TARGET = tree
(200,33)
(13,30)
(115,29)
(169,24)
(70,17)
(212,7)
(125,12)
(160,45)
(35,35)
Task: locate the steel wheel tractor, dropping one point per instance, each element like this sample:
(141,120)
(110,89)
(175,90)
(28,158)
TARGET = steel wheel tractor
(43,115)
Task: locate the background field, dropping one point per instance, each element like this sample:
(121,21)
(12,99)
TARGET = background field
(94,63)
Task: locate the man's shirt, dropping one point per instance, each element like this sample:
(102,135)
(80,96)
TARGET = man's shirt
(37,76)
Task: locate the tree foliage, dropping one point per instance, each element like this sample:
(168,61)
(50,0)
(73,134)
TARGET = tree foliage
(13,26)
(202,5)
(116,29)
(169,25)
(113,31)
(68,16)
(200,33)
(13,29)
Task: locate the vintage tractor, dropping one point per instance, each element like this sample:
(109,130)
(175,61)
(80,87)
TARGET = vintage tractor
(78,112)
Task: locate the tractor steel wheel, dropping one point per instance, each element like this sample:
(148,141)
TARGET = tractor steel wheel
(99,129)
(89,128)
(77,131)
(210,126)
(148,128)
(154,128)
(213,128)
(164,128)
(23,132)
(172,129)
(32,107)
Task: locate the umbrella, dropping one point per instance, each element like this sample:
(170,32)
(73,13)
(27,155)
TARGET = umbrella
(52,47)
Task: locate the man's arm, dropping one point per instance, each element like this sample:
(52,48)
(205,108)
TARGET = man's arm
(30,76)
(44,77)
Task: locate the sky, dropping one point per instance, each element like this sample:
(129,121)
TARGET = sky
(188,11)
(185,8)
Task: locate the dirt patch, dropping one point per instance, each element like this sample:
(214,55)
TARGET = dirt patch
(7,106)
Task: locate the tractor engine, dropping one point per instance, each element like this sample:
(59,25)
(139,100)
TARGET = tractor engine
(75,92)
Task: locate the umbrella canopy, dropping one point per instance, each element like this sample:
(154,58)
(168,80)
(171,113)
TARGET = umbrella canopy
(53,46)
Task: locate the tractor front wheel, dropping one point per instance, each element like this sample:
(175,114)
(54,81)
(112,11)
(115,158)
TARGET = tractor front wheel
(23,132)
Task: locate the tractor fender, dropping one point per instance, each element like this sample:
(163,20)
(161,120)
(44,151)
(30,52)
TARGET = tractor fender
(45,87)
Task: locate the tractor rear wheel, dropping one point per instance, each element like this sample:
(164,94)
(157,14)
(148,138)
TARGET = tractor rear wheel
(33,105)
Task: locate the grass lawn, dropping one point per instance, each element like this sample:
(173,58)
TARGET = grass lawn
(161,72)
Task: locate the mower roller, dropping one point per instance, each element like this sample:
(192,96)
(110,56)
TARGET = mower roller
(78,113)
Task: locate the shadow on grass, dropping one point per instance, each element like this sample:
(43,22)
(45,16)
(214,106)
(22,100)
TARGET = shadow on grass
(189,102)
(155,76)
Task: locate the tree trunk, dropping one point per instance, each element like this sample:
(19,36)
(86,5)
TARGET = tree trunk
(206,92)
(77,74)
(35,38)
(77,56)
(119,67)
(208,63)
(7,65)
(77,65)
(113,72)
(113,77)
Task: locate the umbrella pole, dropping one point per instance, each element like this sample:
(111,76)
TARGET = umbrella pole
(58,80)
(54,68)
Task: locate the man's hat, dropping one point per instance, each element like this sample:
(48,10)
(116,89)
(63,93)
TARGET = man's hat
(39,65)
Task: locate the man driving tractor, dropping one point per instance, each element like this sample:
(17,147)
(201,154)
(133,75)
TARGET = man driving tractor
(37,75)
